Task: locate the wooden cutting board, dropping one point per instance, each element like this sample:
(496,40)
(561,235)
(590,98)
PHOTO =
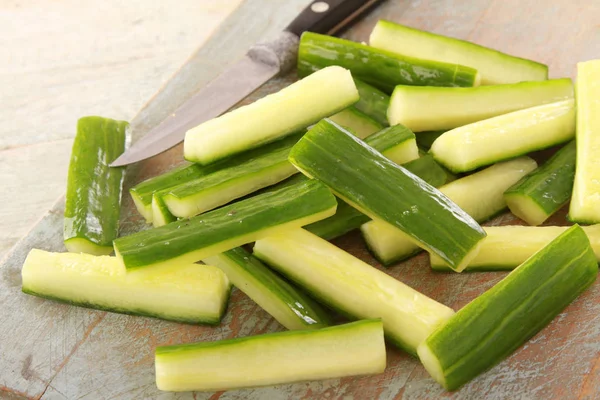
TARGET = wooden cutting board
(54,351)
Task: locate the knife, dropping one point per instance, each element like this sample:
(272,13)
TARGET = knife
(262,62)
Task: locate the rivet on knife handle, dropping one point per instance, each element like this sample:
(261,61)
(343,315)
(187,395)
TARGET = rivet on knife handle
(330,16)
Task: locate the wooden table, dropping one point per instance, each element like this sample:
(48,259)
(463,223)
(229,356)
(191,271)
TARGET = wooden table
(65,59)
(48,350)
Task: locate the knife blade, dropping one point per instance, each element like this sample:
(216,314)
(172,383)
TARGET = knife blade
(262,62)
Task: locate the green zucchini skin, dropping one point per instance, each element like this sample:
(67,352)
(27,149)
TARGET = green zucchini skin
(93,199)
(427,169)
(262,167)
(372,102)
(345,283)
(367,180)
(495,324)
(379,68)
(481,195)
(545,190)
(189,293)
(288,305)
(506,247)
(357,348)
(348,218)
(345,219)
(193,239)
(374,233)
(142,192)
(495,67)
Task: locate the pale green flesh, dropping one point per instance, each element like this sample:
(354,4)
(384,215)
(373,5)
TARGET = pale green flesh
(495,67)
(80,245)
(495,324)
(356,348)
(288,305)
(295,107)
(585,202)
(218,189)
(403,153)
(346,283)
(144,208)
(187,292)
(359,123)
(480,195)
(424,108)
(525,208)
(505,136)
(506,247)
(397,143)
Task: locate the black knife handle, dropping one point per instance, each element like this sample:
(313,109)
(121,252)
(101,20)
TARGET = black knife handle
(330,16)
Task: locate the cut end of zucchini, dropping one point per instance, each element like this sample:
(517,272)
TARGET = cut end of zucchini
(382,241)
(469,257)
(525,208)
(406,152)
(397,143)
(80,245)
(143,208)
(431,364)
(160,213)
(465,261)
(477,79)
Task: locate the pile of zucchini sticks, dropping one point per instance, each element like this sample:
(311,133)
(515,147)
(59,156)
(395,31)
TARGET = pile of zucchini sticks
(415,139)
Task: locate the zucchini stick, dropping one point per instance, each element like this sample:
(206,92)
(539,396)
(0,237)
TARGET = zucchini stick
(348,284)
(381,189)
(498,322)
(93,199)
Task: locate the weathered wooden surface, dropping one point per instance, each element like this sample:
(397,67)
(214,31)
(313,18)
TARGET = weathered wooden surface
(53,351)
(64,59)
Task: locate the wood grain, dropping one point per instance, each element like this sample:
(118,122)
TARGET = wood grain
(86,354)
(65,59)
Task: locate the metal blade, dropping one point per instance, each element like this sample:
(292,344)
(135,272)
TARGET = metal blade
(231,86)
